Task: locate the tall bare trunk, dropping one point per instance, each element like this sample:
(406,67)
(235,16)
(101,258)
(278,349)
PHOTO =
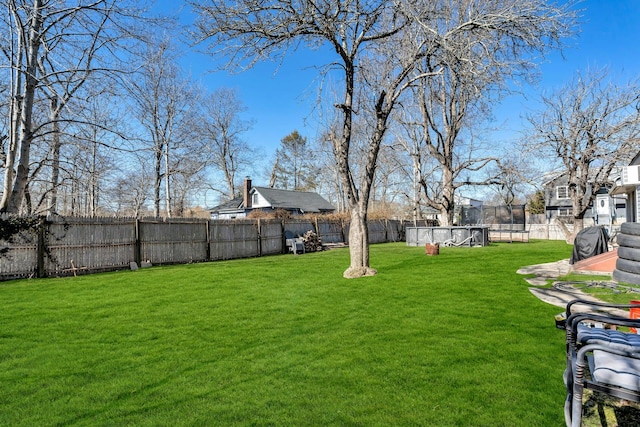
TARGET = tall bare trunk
(359,200)
(417,167)
(578,225)
(93,179)
(55,155)
(228,176)
(12,149)
(167,181)
(447,207)
(359,245)
(157,182)
(14,126)
(24,135)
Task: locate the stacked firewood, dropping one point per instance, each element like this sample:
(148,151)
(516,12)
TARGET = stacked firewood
(311,241)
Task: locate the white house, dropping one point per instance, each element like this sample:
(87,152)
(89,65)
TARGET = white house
(271,199)
(607,209)
(628,184)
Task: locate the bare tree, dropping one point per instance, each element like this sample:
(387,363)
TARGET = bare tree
(378,46)
(60,87)
(79,136)
(164,103)
(220,131)
(590,126)
(97,149)
(54,45)
(514,176)
(475,67)
(252,30)
(418,165)
(130,192)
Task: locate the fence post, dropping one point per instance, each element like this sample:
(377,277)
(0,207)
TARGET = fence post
(386,230)
(283,238)
(138,248)
(259,225)
(208,230)
(40,248)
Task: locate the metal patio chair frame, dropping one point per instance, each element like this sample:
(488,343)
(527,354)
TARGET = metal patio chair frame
(613,345)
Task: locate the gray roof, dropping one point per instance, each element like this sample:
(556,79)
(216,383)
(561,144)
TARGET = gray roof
(231,205)
(306,201)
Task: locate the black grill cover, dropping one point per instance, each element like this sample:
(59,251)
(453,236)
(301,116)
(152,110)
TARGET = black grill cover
(590,242)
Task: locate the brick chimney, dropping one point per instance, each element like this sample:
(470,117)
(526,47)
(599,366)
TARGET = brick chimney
(245,192)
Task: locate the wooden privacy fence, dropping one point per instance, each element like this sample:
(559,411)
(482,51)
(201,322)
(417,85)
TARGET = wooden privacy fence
(41,247)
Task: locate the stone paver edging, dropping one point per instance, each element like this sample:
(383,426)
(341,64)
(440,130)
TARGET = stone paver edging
(543,273)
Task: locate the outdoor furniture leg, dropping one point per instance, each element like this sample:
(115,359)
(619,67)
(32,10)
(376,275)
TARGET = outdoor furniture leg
(576,408)
(568,382)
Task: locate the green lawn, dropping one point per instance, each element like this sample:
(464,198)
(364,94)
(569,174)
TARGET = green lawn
(450,340)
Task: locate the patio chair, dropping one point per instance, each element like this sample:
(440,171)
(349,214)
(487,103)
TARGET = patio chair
(600,357)
(294,244)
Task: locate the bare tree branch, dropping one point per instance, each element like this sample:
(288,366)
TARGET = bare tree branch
(591,125)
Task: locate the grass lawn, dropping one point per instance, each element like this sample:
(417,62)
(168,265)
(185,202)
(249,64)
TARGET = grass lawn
(450,340)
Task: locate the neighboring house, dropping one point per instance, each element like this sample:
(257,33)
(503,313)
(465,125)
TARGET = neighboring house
(628,185)
(467,211)
(271,199)
(468,201)
(607,210)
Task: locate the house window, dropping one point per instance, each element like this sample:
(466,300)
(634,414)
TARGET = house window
(565,212)
(254,199)
(562,192)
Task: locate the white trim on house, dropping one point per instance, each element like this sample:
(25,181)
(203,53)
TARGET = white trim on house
(627,185)
(562,192)
(565,212)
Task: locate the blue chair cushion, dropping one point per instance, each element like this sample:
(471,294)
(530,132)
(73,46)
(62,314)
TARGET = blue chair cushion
(616,370)
(614,339)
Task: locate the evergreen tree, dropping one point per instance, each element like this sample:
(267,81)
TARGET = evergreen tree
(294,167)
(536,203)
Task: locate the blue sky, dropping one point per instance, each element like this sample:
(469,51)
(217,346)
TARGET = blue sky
(282,101)
(608,37)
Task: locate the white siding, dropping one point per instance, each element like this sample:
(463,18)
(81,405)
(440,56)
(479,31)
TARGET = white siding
(259,202)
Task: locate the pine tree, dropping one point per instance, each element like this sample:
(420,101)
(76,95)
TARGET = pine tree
(294,167)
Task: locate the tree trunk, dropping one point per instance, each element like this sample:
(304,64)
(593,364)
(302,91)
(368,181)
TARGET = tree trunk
(167,182)
(228,176)
(157,182)
(10,162)
(359,200)
(25,135)
(417,168)
(93,180)
(14,126)
(358,245)
(55,160)
(447,209)
(578,225)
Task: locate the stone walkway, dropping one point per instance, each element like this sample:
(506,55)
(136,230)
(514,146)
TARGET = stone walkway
(545,273)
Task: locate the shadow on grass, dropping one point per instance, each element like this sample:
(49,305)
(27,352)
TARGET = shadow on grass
(600,410)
